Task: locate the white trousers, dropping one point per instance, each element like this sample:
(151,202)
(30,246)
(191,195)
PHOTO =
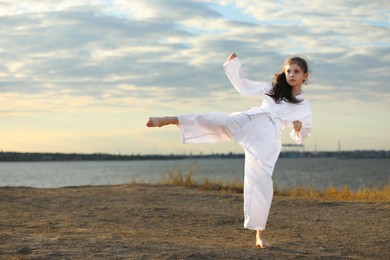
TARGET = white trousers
(258,187)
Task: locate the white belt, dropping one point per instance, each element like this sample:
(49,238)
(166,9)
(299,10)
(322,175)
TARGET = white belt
(277,121)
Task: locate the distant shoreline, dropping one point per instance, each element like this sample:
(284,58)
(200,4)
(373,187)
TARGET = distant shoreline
(42,156)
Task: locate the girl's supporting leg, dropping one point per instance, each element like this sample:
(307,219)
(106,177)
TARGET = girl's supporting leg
(258,193)
(162,121)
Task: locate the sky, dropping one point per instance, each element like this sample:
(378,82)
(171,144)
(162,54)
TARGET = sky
(83,76)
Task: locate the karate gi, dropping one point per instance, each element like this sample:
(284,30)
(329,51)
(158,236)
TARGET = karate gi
(258,131)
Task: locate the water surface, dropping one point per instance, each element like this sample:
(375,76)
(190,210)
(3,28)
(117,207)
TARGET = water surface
(316,172)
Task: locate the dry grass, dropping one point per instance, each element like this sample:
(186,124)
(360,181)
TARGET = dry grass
(371,194)
(236,186)
(300,191)
(345,193)
(178,179)
(229,186)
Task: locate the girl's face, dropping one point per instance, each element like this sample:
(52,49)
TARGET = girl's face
(294,75)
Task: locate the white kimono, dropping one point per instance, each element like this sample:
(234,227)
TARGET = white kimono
(258,130)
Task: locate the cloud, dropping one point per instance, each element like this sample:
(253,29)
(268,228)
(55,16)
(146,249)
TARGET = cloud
(84,52)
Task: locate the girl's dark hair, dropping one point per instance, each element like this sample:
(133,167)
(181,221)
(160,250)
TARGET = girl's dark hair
(281,90)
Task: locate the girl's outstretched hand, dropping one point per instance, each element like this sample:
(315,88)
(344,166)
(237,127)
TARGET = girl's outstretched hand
(232,56)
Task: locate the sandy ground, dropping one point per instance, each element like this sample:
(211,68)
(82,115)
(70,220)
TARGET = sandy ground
(165,222)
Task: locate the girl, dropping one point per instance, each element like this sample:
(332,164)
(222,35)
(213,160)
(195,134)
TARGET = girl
(257,130)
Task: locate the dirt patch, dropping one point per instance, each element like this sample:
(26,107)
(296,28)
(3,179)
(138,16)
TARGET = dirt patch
(166,222)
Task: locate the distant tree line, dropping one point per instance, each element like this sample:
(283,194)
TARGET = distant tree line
(19,156)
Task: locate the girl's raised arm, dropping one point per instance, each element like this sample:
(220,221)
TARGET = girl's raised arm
(246,87)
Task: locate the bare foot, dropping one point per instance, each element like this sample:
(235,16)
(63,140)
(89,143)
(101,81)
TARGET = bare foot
(161,121)
(262,243)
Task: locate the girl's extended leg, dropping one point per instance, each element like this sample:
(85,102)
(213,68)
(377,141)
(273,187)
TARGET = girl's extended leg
(203,128)
(197,128)
(162,121)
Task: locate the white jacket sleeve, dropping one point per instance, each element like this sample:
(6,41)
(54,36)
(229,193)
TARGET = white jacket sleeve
(244,86)
(305,130)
